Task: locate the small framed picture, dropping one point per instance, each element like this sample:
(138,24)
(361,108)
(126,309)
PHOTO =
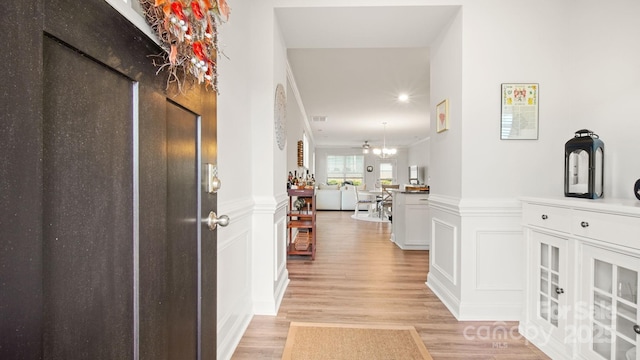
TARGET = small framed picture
(519,117)
(442,116)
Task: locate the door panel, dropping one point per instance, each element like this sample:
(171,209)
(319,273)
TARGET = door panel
(87,212)
(182,231)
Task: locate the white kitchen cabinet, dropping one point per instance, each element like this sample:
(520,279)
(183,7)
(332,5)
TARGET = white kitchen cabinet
(410,220)
(581,297)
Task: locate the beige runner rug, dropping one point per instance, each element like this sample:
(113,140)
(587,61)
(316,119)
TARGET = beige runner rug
(310,341)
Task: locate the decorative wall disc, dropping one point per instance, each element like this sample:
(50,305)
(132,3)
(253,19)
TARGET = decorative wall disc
(280,117)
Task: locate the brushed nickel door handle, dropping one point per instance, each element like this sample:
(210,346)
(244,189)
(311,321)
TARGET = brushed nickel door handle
(213,220)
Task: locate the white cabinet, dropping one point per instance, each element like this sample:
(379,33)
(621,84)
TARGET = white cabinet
(611,293)
(581,298)
(410,220)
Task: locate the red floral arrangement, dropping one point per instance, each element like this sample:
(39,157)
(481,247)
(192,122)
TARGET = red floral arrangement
(188,32)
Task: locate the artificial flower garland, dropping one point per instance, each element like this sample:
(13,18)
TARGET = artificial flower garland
(188,32)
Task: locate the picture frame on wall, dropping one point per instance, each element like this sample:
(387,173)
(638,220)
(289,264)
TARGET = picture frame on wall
(519,115)
(442,116)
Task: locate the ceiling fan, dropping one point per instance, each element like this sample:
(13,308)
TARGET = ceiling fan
(364,147)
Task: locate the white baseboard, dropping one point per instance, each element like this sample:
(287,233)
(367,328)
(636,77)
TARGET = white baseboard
(227,344)
(448,299)
(271,306)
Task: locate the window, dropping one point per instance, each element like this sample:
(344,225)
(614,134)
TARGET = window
(341,168)
(387,173)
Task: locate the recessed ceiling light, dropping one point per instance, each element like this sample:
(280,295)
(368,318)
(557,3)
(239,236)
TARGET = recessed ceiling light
(403,98)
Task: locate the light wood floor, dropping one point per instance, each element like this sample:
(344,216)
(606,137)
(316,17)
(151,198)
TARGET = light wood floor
(359,276)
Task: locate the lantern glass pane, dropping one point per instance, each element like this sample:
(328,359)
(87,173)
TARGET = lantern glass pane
(599,175)
(578,169)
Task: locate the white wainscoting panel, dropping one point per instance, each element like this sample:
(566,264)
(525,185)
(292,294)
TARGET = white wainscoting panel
(477,257)
(235,308)
(270,276)
(495,251)
(445,249)
(280,238)
(493,259)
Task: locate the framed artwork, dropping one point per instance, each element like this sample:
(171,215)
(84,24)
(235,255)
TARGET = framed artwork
(519,117)
(442,116)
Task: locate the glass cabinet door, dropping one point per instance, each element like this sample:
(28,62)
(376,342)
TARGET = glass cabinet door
(612,293)
(550,289)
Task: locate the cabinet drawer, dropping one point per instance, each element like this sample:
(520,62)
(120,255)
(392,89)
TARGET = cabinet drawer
(417,200)
(616,229)
(550,217)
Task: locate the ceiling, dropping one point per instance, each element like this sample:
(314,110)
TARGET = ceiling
(351,63)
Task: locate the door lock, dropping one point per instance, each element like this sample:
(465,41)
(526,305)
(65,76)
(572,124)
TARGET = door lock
(212,182)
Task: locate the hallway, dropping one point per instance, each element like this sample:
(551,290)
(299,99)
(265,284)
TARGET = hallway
(359,276)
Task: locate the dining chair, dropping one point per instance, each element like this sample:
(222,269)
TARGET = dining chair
(387,198)
(365,200)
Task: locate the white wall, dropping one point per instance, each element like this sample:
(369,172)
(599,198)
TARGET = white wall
(267,70)
(445,159)
(604,54)
(297,124)
(251,258)
(295,129)
(235,306)
(507,45)
(584,59)
(446,83)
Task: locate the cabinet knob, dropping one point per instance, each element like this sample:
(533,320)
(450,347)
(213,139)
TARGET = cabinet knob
(559,291)
(584,224)
(544,217)
(636,328)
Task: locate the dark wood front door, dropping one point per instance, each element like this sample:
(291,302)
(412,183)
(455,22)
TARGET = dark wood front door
(104,254)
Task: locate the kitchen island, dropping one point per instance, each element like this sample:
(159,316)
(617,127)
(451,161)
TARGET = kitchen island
(410,228)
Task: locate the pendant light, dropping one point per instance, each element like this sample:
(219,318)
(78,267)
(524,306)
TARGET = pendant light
(384,152)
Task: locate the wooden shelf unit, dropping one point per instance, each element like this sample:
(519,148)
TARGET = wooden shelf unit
(304,220)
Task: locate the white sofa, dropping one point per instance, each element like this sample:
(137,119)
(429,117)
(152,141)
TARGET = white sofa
(333,197)
(328,197)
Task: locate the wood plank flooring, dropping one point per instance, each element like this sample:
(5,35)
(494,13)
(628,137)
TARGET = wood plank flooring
(359,276)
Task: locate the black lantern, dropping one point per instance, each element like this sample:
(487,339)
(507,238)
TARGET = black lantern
(583,165)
